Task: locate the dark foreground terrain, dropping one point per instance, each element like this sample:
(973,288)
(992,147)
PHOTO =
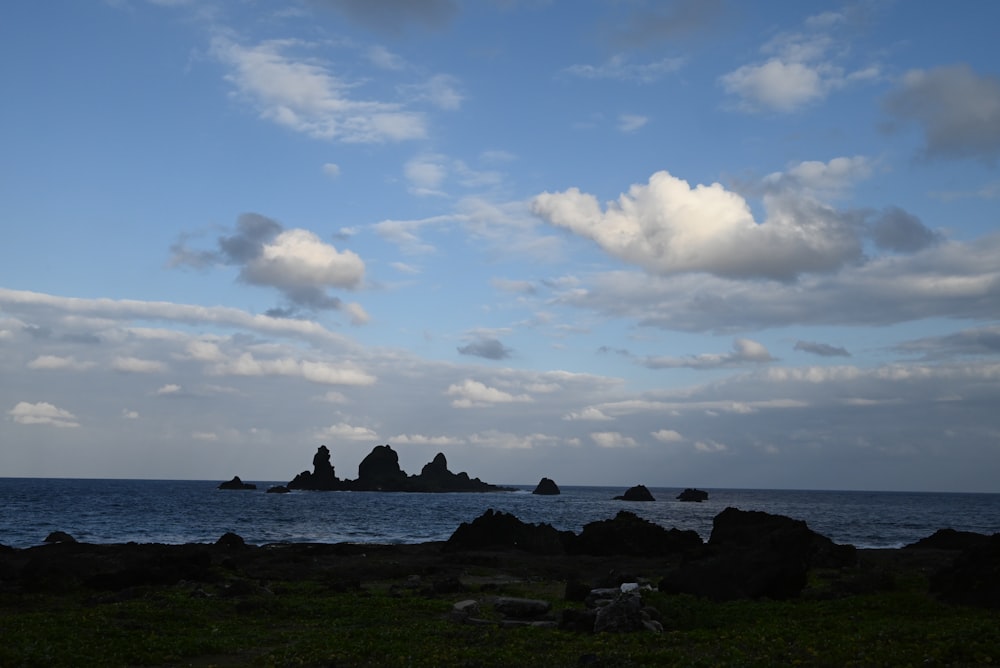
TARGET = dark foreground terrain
(441,604)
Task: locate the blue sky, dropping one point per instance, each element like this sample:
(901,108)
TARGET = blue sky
(715,244)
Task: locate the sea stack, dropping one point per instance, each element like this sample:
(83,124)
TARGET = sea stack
(637,493)
(691,494)
(547,487)
(236,483)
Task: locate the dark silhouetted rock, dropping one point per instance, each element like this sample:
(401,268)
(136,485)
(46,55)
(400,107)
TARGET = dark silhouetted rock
(691,494)
(236,483)
(546,486)
(949,539)
(629,534)
(322,477)
(278,489)
(435,477)
(493,530)
(752,554)
(230,539)
(59,537)
(637,493)
(974,576)
(380,471)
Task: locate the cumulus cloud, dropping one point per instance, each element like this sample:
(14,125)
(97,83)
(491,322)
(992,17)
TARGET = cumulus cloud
(821,349)
(331,169)
(474,394)
(666,226)
(798,71)
(393,17)
(304,95)
(345,432)
(488,348)
(42,413)
(957,109)
(667,436)
(167,390)
(588,413)
(294,261)
(744,352)
(421,439)
(619,68)
(612,439)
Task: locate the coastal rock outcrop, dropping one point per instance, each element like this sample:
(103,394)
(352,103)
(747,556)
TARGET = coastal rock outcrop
(236,483)
(546,487)
(691,494)
(630,534)
(379,471)
(753,554)
(498,530)
(974,576)
(322,477)
(637,493)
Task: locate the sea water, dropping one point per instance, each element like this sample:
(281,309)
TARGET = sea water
(189,511)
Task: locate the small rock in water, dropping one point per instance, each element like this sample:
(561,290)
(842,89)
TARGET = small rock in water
(59,537)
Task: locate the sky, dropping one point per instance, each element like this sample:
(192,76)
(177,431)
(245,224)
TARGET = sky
(611,242)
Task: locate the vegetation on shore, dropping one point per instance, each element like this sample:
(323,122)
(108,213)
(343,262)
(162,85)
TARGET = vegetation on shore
(326,617)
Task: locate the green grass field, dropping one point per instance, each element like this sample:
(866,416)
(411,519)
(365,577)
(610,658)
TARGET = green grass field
(314,622)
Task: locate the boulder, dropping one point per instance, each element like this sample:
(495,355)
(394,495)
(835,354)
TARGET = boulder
(236,483)
(521,608)
(547,487)
(230,540)
(629,534)
(637,493)
(691,494)
(974,576)
(625,614)
(753,554)
(949,539)
(278,489)
(497,530)
(59,537)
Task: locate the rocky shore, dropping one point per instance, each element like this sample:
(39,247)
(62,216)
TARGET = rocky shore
(750,555)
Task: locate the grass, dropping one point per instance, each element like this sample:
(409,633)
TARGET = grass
(311,623)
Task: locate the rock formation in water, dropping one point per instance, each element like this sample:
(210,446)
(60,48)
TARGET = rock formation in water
(236,483)
(637,493)
(322,476)
(380,472)
(547,487)
(691,494)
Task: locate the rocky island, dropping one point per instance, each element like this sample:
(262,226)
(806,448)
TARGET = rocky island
(380,472)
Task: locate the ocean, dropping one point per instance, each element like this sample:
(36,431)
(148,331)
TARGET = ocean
(190,511)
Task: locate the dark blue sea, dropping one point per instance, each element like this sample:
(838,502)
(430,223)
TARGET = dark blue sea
(187,511)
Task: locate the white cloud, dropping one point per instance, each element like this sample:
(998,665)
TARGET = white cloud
(776,85)
(298,259)
(618,67)
(666,226)
(137,365)
(631,122)
(209,436)
(168,389)
(420,439)
(56,362)
(317,372)
(588,413)
(426,174)
(710,446)
(346,432)
(745,351)
(441,90)
(667,436)
(129,414)
(305,96)
(357,313)
(501,440)
(385,59)
(331,169)
(612,439)
(42,413)
(473,394)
